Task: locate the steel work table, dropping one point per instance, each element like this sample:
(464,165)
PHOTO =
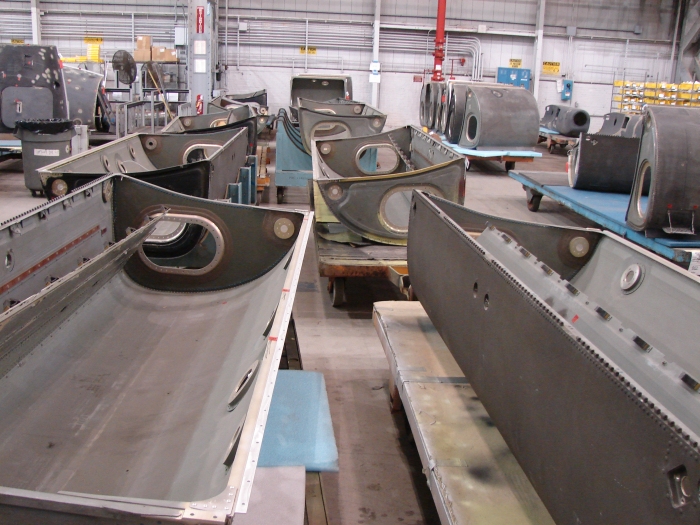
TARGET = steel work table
(473,476)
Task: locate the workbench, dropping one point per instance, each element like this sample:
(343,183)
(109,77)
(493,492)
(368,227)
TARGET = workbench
(606,209)
(473,476)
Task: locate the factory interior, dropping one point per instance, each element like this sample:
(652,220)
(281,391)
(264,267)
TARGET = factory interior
(350,262)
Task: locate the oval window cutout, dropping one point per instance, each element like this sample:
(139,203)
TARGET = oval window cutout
(395,207)
(197,152)
(184,245)
(377,159)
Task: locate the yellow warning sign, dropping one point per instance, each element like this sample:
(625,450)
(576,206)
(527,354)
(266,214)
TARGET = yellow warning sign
(311,50)
(550,68)
(17,41)
(93,40)
(516,62)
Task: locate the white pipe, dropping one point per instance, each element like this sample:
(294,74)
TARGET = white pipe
(539,29)
(375,49)
(238,44)
(672,77)
(226,35)
(306,48)
(36,23)
(525,34)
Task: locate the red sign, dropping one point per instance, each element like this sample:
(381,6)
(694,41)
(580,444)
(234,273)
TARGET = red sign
(200,19)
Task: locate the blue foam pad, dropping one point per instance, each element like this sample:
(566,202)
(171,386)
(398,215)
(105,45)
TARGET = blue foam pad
(486,153)
(299,430)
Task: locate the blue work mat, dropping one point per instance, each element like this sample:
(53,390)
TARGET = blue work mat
(299,430)
(486,153)
(548,131)
(614,207)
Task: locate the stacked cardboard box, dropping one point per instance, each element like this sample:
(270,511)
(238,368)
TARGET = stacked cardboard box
(142,53)
(163,54)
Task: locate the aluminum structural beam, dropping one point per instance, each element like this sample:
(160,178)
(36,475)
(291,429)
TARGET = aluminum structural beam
(36,22)
(539,35)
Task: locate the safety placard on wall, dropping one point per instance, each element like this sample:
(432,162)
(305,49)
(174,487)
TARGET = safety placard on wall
(516,62)
(550,68)
(310,50)
(200,19)
(200,47)
(17,41)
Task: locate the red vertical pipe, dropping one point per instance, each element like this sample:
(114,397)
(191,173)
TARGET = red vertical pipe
(439,52)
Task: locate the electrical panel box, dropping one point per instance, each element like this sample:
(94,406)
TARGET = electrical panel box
(180,36)
(514,76)
(567,88)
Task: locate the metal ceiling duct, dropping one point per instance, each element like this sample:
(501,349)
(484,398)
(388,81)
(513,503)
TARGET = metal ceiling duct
(582,348)
(669,165)
(499,117)
(201,165)
(146,371)
(374,201)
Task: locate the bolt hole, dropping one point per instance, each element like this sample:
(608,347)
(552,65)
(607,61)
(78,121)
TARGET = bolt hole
(486,302)
(476,289)
(9,261)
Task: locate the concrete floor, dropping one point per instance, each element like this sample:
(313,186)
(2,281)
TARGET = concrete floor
(380,479)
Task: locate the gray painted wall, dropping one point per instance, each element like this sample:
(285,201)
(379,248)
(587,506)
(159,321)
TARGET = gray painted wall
(613,38)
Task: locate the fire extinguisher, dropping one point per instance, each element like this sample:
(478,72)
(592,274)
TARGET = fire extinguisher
(200,105)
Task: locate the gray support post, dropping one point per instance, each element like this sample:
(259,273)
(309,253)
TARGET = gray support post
(202,50)
(539,35)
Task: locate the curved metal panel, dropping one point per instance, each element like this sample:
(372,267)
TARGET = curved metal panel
(377,207)
(221,121)
(603,163)
(622,125)
(82,88)
(499,117)
(148,372)
(375,204)
(567,120)
(201,165)
(329,120)
(319,87)
(31,85)
(668,164)
(237,266)
(591,382)
(455,113)
(412,150)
